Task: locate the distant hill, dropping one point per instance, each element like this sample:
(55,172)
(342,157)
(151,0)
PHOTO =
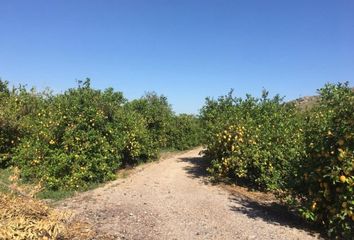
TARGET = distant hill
(307,102)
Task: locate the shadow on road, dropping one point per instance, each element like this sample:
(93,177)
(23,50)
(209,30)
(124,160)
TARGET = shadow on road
(197,167)
(271,212)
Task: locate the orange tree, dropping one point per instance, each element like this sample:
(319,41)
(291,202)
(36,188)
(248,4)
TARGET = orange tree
(184,132)
(80,137)
(8,129)
(253,140)
(69,140)
(167,130)
(326,185)
(158,114)
(17,105)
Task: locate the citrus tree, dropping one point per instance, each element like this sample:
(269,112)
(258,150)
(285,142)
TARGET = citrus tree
(17,105)
(253,140)
(81,137)
(326,185)
(158,115)
(184,132)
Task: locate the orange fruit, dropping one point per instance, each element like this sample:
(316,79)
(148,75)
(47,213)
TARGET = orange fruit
(342,178)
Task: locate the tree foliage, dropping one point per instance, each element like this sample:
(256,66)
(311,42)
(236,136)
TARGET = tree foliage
(307,156)
(82,136)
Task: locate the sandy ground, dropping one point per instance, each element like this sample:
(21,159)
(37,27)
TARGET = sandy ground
(173,199)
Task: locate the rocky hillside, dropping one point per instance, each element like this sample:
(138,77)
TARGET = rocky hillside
(307,101)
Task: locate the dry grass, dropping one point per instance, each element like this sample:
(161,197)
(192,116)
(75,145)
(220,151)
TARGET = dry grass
(23,217)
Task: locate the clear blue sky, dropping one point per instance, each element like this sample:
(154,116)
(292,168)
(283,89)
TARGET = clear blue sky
(184,49)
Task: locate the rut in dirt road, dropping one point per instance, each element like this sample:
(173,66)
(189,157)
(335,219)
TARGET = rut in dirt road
(172,199)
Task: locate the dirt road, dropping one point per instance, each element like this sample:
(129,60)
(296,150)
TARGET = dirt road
(172,199)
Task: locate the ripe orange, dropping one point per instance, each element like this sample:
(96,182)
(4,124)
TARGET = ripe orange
(342,178)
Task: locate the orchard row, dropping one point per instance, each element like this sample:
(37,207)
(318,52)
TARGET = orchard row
(82,136)
(306,155)
(70,140)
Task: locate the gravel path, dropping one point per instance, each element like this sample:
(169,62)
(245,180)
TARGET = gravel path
(172,199)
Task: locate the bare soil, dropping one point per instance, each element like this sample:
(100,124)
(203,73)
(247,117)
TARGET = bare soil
(174,199)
